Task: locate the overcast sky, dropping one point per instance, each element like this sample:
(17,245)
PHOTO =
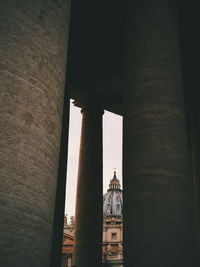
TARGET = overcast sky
(112,153)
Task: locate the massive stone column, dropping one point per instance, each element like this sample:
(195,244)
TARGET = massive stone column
(159,227)
(195,154)
(33,52)
(89,217)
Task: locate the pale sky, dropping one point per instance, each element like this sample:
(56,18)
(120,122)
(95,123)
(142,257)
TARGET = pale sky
(112,153)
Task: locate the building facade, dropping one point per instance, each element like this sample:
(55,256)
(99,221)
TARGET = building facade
(68,242)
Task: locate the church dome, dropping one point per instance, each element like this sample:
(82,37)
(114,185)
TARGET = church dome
(112,200)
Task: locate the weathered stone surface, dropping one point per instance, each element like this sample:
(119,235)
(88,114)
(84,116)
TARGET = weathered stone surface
(33,51)
(89,217)
(158,195)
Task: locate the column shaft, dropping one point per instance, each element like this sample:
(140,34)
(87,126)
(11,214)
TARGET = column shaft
(195,153)
(33,52)
(158,193)
(88,230)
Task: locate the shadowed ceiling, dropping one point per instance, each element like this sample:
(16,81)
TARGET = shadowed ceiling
(96,49)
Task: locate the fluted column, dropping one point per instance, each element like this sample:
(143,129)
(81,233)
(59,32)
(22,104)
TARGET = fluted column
(33,53)
(159,227)
(89,217)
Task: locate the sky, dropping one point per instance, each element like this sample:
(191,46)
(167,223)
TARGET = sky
(112,153)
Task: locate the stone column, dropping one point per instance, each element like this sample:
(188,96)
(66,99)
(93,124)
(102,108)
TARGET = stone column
(33,52)
(89,217)
(159,227)
(70,261)
(195,154)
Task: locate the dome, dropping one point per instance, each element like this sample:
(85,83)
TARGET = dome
(112,200)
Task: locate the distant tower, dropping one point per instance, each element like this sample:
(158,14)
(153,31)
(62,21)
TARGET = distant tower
(113,222)
(112,200)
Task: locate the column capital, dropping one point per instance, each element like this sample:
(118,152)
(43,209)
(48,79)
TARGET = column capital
(89,106)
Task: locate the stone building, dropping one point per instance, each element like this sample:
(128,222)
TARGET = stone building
(112,239)
(68,243)
(137,58)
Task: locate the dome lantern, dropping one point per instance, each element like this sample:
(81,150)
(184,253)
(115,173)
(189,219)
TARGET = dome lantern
(114,182)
